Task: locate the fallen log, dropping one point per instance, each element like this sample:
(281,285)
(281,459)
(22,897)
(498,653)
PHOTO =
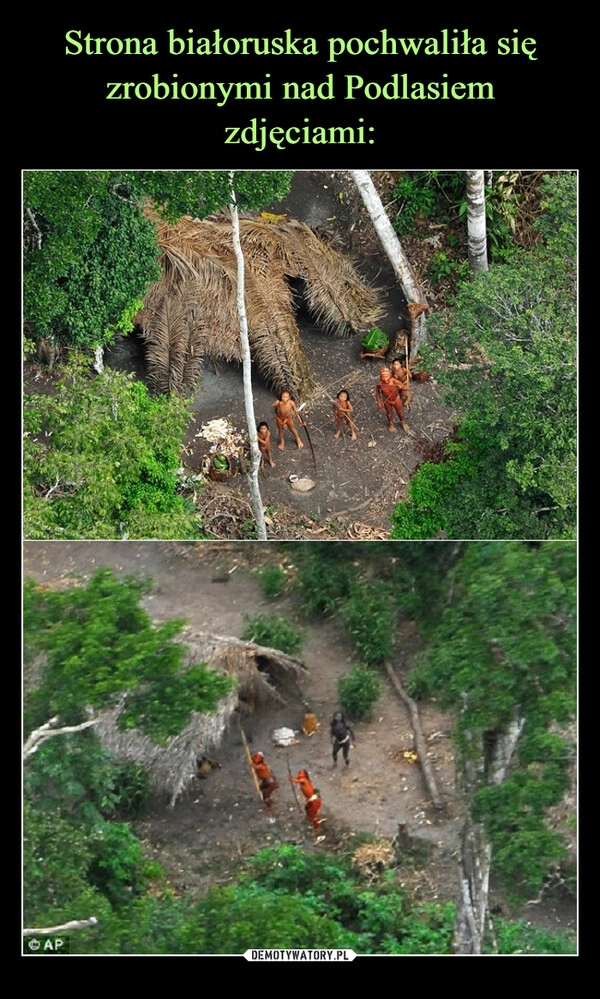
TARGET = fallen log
(420,744)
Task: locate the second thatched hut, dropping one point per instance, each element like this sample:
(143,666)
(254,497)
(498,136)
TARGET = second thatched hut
(261,674)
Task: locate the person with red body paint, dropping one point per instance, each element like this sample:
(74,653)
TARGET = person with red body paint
(313,798)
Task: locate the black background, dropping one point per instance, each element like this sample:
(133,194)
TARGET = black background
(66,122)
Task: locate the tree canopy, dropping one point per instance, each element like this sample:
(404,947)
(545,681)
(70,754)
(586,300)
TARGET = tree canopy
(90,252)
(101,460)
(504,652)
(498,621)
(507,350)
(94,646)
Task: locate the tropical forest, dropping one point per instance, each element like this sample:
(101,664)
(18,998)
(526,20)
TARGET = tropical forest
(166,312)
(162,678)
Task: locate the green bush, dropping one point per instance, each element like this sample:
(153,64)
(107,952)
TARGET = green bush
(413,196)
(517,937)
(325,578)
(419,683)
(232,919)
(357,691)
(369,617)
(428,929)
(275,632)
(272,580)
(132,790)
(117,868)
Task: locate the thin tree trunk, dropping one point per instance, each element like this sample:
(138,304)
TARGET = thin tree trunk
(73,924)
(474,873)
(478,260)
(417,304)
(257,504)
(420,744)
(99,360)
(47,731)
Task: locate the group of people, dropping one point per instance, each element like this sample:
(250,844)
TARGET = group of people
(392,393)
(285,411)
(342,737)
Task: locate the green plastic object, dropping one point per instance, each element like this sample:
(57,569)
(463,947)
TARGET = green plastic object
(375,339)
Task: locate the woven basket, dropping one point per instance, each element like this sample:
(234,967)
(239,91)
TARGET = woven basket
(217,476)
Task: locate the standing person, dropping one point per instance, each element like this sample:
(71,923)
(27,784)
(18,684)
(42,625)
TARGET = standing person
(341,737)
(341,411)
(313,798)
(387,393)
(266,780)
(401,374)
(264,444)
(285,410)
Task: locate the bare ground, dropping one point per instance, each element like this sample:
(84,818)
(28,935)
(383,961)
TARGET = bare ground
(220,821)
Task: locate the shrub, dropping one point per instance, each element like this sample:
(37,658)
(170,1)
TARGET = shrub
(132,789)
(117,868)
(413,196)
(368,614)
(518,937)
(325,575)
(230,920)
(275,632)
(272,580)
(358,690)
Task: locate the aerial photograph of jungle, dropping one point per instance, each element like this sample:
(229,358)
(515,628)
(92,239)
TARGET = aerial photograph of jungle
(300,355)
(366,746)
(299,563)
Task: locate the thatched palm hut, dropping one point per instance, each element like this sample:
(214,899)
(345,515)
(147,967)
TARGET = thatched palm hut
(192,313)
(261,674)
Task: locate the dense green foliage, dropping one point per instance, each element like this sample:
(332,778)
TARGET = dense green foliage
(80,853)
(325,574)
(329,583)
(512,470)
(505,647)
(100,460)
(335,576)
(499,619)
(442,195)
(75,775)
(288,897)
(204,192)
(498,628)
(368,615)
(91,253)
(94,646)
(358,690)
(274,632)
(273,580)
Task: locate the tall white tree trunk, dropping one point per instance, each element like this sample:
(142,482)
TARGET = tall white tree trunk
(417,305)
(257,504)
(493,762)
(478,260)
(474,874)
